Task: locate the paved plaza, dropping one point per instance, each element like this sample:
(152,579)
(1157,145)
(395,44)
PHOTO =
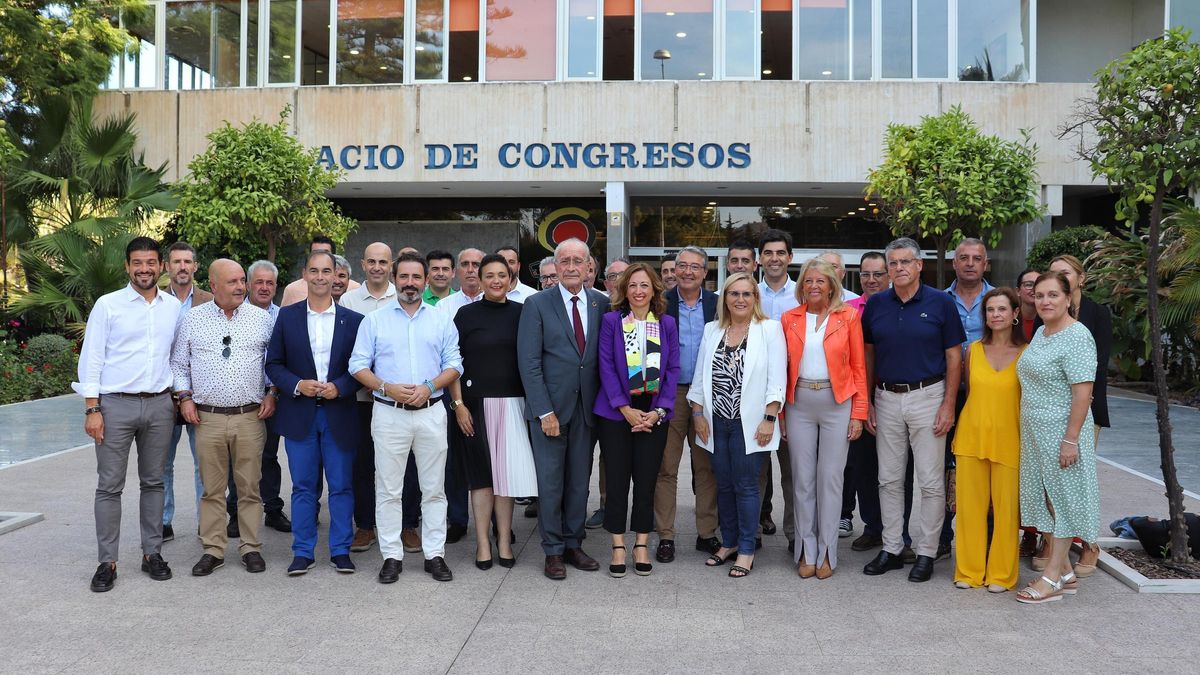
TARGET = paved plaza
(683,618)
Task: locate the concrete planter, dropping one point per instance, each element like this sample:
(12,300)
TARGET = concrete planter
(12,520)
(1136,580)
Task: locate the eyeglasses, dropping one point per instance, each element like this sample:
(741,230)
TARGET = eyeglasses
(684,267)
(548,277)
(872,275)
(1028,284)
(613,276)
(227,340)
(904,262)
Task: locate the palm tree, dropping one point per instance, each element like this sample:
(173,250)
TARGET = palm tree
(83,198)
(1181,260)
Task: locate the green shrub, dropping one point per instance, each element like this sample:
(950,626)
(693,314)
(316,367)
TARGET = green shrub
(1070,241)
(46,347)
(44,367)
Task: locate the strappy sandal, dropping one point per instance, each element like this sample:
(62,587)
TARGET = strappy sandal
(641,569)
(715,560)
(1032,596)
(1084,570)
(1070,583)
(737,571)
(616,571)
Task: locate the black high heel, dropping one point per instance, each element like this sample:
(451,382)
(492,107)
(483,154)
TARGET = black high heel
(485,564)
(642,569)
(616,571)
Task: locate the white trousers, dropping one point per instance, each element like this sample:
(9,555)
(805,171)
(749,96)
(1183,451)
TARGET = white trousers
(904,421)
(397,432)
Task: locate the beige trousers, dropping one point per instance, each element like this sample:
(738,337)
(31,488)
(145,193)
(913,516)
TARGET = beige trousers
(905,420)
(221,440)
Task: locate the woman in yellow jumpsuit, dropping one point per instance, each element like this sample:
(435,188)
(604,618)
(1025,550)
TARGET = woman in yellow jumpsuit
(987,447)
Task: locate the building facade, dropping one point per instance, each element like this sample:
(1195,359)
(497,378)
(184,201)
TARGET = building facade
(644,125)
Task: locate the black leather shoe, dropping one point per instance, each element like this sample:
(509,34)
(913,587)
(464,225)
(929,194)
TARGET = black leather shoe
(455,532)
(104,578)
(943,551)
(709,545)
(768,525)
(278,522)
(300,565)
(254,562)
(156,567)
(390,572)
(436,567)
(168,533)
(866,542)
(883,563)
(231,529)
(207,565)
(484,565)
(922,569)
(666,551)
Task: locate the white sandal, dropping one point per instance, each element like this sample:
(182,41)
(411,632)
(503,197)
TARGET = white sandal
(1070,583)
(1032,596)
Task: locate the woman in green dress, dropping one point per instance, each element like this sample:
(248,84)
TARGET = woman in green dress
(1059,490)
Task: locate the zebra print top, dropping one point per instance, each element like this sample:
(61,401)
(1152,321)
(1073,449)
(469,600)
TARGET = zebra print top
(728,368)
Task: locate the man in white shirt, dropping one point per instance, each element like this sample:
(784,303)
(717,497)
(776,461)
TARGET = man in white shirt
(469,288)
(377,292)
(778,292)
(518,291)
(217,361)
(125,381)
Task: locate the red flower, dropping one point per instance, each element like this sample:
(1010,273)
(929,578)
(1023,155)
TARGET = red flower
(46,366)
(29,369)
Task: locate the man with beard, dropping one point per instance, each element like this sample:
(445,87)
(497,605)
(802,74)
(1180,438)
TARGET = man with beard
(377,292)
(217,360)
(547,273)
(181,267)
(406,354)
(441,273)
(125,381)
(517,290)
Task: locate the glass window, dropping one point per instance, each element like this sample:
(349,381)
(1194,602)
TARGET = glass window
(1184,14)
(141,58)
(677,39)
(202,44)
(897,58)
(583,36)
(993,40)
(370,42)
(824,35)
(281,42)
(430,59)
(860,36)
(933,38)
(464,40)
(113,81)
(618,40)
(740,34)
(252,43)
(314,43)
(521,40)
(776,40)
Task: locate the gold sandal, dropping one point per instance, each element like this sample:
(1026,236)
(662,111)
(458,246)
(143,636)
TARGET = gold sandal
(1032,596)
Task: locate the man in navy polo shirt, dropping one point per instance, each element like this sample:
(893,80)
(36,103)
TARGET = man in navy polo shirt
(914,342)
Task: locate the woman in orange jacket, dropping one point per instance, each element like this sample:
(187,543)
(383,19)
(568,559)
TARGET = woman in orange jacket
(826,393)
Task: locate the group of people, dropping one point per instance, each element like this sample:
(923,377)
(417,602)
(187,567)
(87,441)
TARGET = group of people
(405,401)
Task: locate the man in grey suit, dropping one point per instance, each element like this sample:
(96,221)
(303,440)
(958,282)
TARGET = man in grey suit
(556,348)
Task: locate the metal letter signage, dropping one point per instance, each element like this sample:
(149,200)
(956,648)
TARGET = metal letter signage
(554,155)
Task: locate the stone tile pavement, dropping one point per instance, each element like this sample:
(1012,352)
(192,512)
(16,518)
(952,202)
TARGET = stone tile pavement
(683,618)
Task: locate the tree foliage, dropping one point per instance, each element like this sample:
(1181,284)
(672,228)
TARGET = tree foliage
(1076,241)
(944,180)
(258,183)
(1141,133)
(83,195)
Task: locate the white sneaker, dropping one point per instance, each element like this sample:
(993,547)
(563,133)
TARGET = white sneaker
(845,528)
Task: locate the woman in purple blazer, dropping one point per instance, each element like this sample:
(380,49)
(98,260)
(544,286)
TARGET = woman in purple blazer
(639,361)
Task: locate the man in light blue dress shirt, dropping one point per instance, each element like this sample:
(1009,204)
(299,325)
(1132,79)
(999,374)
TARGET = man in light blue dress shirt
(407,354)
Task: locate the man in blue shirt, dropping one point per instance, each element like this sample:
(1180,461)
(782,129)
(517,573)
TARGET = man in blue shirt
(406,355)
(691,306)
(914,357)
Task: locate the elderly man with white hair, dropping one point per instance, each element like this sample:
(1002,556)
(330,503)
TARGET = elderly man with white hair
(839,263)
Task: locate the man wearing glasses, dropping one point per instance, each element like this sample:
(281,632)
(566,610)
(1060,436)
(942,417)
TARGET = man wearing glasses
(547,273)
(217,361)
(913,342)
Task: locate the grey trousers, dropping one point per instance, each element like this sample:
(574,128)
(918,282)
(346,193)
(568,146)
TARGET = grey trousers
(149,422)
(817,427)
(563,465)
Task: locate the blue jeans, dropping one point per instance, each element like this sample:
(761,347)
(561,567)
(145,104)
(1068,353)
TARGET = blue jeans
(737,485)
(306,458)
(169,474)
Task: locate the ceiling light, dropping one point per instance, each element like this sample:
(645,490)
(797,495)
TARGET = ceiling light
(712,203)
(701,74)
(591,72)
(871,204)
(850,213)
(681,35)
(862,208)
(354,52)
(670,13)
(466,78)
(287,56)
(826,72)
(791,203)
(319,71)
(420,48)
(383,67)
(591,18)
(767,71)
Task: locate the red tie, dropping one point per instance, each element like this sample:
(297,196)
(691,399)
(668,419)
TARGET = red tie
(579,339)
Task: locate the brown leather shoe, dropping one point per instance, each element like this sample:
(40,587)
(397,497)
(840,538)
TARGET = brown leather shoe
(363,541)
(824,571)
(580,560)
(555,568)
(805,570)
(411,539)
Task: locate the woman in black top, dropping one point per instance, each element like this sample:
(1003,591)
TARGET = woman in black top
(489,411)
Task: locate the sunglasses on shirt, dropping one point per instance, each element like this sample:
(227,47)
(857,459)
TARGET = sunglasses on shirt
(226,341)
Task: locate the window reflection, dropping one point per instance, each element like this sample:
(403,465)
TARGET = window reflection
(776,39)
(281,41)
(860,34)
(896,59)
(202,44)
(824,35)
(520,40)
(314,42)
(618,39)
(370,42)
(583,21)
(680,32)
(141,58)
(933,38)
(1184,14)
(464,40)
(252,43)
(993,40)
(740,38)
(430,58)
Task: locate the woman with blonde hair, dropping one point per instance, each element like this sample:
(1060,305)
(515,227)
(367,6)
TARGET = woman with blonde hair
(736,395)
(826,408)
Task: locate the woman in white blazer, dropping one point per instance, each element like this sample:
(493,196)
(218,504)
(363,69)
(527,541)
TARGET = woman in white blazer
(736,395)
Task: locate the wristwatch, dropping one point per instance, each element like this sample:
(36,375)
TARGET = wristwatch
(382,389)
(769,418)
(662,416)
(93,409)
(455,405)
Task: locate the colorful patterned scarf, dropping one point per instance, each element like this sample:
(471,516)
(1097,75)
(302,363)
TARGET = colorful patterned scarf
(642,356)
